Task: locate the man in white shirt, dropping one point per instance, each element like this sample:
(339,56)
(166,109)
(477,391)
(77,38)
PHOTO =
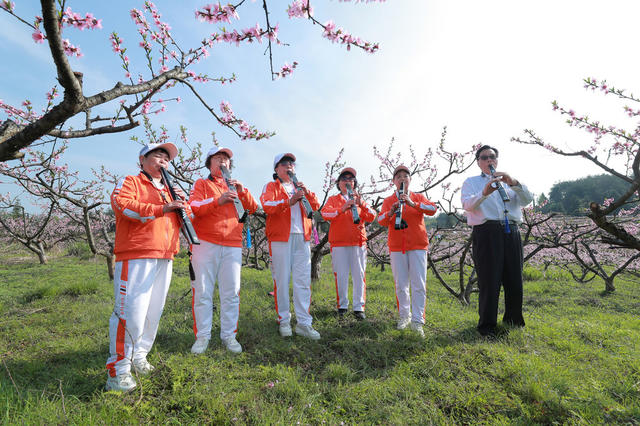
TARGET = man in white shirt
(496,243)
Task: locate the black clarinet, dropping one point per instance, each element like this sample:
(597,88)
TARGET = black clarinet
(499,185)
(354,208)
(400,222)
(240,211)
(305,203)
(186,227)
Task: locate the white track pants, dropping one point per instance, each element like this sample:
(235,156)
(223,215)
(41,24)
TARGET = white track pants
(140,287)
(352,258)
(211,263)
(410,270)
(292,259)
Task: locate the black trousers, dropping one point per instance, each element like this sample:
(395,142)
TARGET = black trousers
(498,260)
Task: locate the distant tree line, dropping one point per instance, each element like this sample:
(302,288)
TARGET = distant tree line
(573,197)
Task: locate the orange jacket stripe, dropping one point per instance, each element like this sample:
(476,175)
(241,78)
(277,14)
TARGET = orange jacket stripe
(275,290)
(414,237)
(214,223)
(395,291)
(193,312)
(120,334)
(364,290)
(142,229)
(124,274)
(335,276)
(343,232)
(275,203)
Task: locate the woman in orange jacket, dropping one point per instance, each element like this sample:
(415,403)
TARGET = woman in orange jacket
(147,238)
(348,241)
(408,248)
(219,255)
(289,233)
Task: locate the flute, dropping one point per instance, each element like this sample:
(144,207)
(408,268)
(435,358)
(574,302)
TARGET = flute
(354,208)
(400,223)
(305,203)
(187,226)
(498,185)
(241,213)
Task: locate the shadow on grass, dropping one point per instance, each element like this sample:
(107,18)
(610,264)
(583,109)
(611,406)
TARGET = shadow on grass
(79,373)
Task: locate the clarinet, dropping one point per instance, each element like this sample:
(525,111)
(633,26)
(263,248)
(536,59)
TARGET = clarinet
(240,211)
(499,185)
(354,208)
(400,222)
(186,227)
(305,203)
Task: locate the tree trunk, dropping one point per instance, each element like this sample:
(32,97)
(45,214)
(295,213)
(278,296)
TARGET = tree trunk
(608,285)
(316,257)
(111,266)
(42,257)
(39,251)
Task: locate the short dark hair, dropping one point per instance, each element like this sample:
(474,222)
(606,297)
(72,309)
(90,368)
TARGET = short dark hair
(483,147)
(158,149)
(154,150)
(285,158)
(355,181)
(207,162)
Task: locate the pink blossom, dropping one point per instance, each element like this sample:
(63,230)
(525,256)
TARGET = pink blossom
(38,37)
(7,5)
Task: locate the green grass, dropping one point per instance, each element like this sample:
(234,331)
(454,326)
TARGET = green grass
(575,362)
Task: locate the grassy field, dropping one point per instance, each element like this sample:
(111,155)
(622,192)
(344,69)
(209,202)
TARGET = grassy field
(577,361)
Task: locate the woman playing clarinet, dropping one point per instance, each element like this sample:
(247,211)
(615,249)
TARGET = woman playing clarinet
(347,213)
(289,205)
(219,204)
(403,213)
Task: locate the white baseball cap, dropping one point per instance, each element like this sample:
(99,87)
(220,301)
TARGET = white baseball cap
(279,157)
(215,150)
(167,146)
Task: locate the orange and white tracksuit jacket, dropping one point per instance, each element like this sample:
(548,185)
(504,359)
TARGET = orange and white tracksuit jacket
(146,241)
(414,236)
(218,257)
(215,223)
(275,203)
(408,254)
(348,250)
(343,232)
(290,253)
(143,231)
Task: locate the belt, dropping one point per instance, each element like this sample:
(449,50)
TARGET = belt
(498,222)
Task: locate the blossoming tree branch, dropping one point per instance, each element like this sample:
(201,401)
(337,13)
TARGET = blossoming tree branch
(616,151)
(167,61)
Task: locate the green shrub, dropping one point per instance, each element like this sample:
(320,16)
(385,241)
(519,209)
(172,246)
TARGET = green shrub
(73,289)
(79,249)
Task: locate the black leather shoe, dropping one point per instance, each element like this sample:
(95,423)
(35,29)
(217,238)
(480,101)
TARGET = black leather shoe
(341,311)
(359,315)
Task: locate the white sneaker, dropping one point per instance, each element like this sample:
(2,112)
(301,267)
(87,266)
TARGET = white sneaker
(232,345)
(307,331)
(285,330)
(121,383)
(403,323)
(142,366)
(200,345)
(416,326)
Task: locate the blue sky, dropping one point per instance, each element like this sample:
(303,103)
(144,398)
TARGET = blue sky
(487,70)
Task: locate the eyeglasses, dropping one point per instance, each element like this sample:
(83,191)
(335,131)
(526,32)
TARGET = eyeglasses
(348,178)
(488,157)
(287,163)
